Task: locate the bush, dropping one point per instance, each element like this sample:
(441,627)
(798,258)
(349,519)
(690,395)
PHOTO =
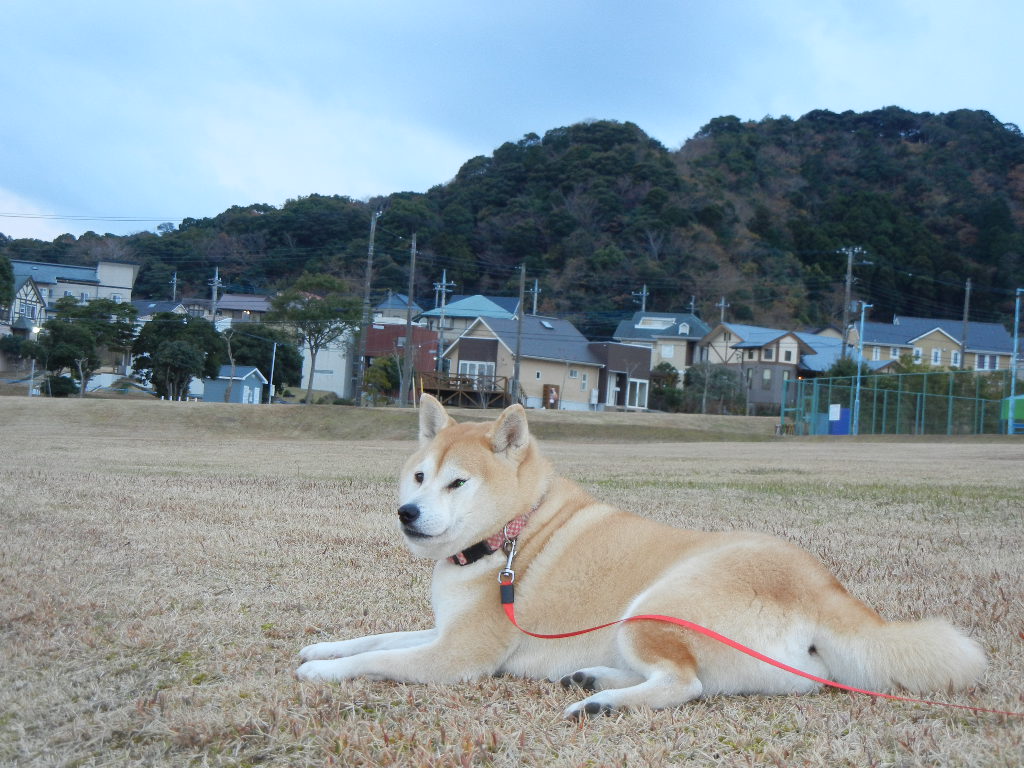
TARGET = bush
(60,386)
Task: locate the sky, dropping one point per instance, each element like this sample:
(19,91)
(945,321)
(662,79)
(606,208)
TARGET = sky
(118,116)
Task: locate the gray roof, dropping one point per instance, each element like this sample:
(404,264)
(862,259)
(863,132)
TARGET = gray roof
(147,307)
(981,337)
(544,338)
(243,301)
(398,301)
(634,329)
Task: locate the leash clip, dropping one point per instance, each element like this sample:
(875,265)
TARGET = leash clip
(506,575)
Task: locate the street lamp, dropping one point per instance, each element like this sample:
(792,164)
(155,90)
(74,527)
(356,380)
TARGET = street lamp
(860,358)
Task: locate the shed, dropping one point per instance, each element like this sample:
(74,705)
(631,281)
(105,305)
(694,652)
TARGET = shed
(246,385)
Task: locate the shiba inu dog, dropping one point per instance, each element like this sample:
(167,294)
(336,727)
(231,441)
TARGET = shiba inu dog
(470,490)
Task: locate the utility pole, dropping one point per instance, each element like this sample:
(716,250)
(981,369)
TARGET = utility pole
(723,305)
(174,287)
(642,295)
(519,332)
(214,285)
(365,324)
(270,383)
(860,356)
(408,362)
(966,326)
(850,252)
(443,287)
(535,292)
(693,306)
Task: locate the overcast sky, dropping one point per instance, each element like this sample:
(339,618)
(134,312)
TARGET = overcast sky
(134,113)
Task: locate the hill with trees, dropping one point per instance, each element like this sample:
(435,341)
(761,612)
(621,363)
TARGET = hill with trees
(756,212)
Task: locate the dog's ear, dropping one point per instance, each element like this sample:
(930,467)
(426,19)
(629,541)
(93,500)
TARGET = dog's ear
(433,418)
(511,432)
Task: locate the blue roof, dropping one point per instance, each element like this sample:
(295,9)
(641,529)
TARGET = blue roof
(474,306)
(241,372)
(398,301)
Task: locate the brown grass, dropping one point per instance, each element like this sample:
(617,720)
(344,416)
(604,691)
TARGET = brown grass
(162,563)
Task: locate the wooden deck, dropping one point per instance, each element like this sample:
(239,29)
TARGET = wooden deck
(464,391)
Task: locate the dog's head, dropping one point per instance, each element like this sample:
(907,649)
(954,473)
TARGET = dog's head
(466,481)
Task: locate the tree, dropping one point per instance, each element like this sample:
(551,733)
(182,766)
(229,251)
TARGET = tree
(80,335)
(171,349)
(383,377)
(322,309)
(6,281)
(254,345)
(665,392)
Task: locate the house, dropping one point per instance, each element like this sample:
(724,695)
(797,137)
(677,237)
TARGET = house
(247,385)
(767,358)
(672,338)
(937,342)
(395,308)
(107,280)
(558,367)
(242,308)
(147,309)
(384,339)
(27,311)
(459,313)
(23,317)
(334,367)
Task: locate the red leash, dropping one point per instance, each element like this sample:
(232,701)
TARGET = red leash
(508,603)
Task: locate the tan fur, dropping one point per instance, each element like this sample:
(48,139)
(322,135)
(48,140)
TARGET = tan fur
(581,563)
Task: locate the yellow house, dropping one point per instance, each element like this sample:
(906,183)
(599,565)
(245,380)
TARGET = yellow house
(937,343)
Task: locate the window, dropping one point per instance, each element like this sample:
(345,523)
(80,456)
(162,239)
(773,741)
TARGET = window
(69,293)
(668,350)
(936,356)
(987,363)
(116,297)
(750,354)
(918,354)
(788,355)
(584,381)
(894,353)
(955,358)
(766,378)
(573,373)
(768,354)
(547,325)
(876,353)
(537,375)
(684,329)
(85,297)
(482,373)
(636,396)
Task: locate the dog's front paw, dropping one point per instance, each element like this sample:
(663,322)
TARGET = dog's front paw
(323,670)
(333,650)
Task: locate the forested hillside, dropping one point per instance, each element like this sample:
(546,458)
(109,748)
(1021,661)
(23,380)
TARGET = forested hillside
(754,212)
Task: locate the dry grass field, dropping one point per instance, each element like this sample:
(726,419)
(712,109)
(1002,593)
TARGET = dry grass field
(163,562)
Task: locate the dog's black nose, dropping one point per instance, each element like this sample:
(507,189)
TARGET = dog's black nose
(408,513)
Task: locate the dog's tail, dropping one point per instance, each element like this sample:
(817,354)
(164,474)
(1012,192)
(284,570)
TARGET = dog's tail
(912,656)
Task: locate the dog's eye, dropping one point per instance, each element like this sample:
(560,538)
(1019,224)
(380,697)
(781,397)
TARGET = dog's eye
(456,484)
(418,477)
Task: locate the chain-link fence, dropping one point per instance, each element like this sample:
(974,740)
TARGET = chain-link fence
(920,403)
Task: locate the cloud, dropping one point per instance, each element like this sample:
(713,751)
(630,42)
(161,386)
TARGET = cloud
(20,218)
(266,145)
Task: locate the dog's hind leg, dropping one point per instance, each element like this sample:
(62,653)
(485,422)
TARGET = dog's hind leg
(660,659)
